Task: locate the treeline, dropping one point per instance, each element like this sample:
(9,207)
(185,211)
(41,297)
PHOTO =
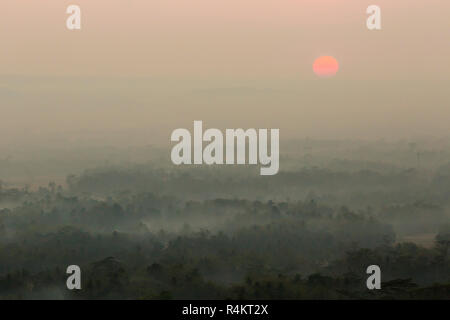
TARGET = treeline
(189,268)
(146,232)
(359,188)
(141,245)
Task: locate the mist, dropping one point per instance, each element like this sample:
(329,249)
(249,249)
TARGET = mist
(86,176)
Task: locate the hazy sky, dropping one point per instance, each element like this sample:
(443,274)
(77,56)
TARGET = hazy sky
(139,69)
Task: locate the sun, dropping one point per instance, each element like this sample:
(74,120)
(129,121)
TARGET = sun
(326,66)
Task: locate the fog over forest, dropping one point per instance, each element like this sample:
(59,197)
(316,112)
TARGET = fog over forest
(141,227)
(89,99)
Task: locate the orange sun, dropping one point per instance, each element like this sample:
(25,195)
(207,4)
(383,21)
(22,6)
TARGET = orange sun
(325,66)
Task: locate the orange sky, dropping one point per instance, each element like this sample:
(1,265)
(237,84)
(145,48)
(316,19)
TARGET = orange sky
(206,37)
(136,64)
